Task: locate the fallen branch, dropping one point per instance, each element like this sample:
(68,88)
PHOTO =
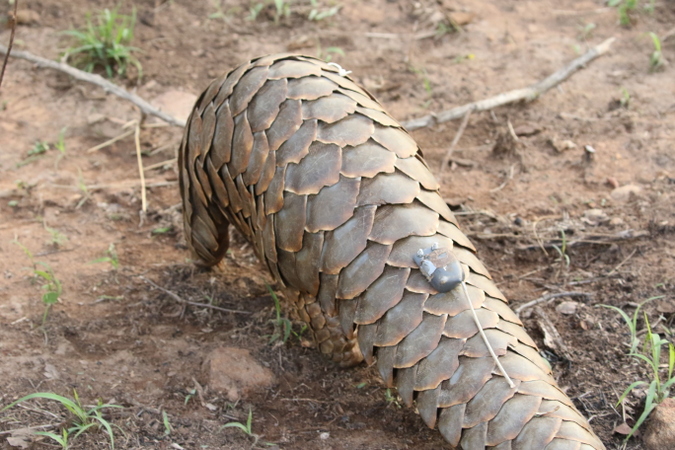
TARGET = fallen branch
(11,21)
(528,94)
(547,297)
(179,299)
(98,80)
(601,239)
(455,140)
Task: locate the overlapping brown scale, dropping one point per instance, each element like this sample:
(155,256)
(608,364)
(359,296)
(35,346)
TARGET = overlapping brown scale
(474,438)
(439,365)
(333,205)
(228,85)
(352,130)
(307,263)
(469,258)
(298,145)
(248,204)
(404,249)
(365,337)
(485,405)
(418,283)
(236,203)
(537,433)
(259,153)
(346,311)
(511,419)
(467,380)
(540,388)
(344,243)
(209,94)
(451,230)
(321,167)
(286,264)
(383,294)
(521,368)
(378,116)
(532,354)
(499,341)
(361,99)
(265,104)
(242,140)
(405,383)
(310,88)
(421,341)
(551,408)
(399,321)
(246,88)
(362,271)
(485,284)
(434,201)
(274,196)
(573,431)
(222,139)
(327,292)
(293,69)
(394,188)
(367,160)
(415,169)
(267,174)
(563,444)
(328,109)
(450,423)
(463,326)
(217,185)
(203,188)
(454,302)
(502,309)
(396,140)
(411,220)
(343,82)
(208,128)
(288,121)
(426,404)
(518,332)
(290,222)
(385,364)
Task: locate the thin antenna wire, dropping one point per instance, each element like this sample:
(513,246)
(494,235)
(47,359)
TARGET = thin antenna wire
(485,339)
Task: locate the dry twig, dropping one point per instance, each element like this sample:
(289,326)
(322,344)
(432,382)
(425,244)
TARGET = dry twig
(12,23)
(98,80)
(528,94)
(547,297)
(453,144)
(179,299)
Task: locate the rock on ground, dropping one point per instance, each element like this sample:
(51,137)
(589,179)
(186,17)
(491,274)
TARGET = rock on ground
(660,434)
(234,372)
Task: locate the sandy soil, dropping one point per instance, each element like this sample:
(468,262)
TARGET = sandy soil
(116,337)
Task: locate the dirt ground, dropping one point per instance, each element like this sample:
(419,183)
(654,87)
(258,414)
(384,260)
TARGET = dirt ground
(116,337)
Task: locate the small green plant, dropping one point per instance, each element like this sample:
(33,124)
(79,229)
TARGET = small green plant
(586,31)
(84,419)
(246,428)
(624,101)
(254,11)
(283,327)
(317,13)
(167,424)
(111,257)
(282,10)
(328,53)
(52,285)
(104,43)
(563,257)
(658,389)
(191,393)
(631,322)
(391,398)
(624,8)
(656,60)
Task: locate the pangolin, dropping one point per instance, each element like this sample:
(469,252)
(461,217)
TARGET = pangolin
(337,201)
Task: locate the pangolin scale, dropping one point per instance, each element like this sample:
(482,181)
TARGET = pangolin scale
(336,199)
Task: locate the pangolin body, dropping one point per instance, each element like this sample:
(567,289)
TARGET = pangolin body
(336,199)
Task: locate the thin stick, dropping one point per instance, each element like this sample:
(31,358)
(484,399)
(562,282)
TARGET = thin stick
(528,94)
(110,141)
(547,297)
(161,164)
(98,80)
(485,339)
(455,140)
(12,23)
(139,158)
(187,302)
